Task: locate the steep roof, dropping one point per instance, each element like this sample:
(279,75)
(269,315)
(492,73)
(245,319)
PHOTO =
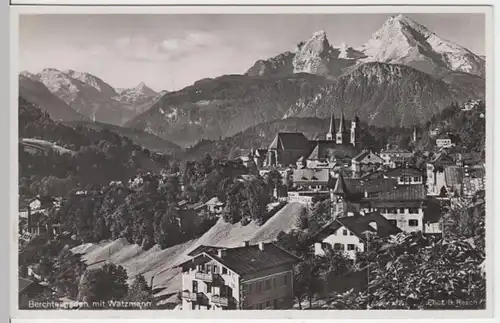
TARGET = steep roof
(315,153)
(290,140)
(249,259)
(358,224)
(366,153)
(403,171)
(361,155)
(415,192)
(340,186)
(443,136)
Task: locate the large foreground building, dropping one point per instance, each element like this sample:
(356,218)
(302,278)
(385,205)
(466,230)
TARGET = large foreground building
(249,277)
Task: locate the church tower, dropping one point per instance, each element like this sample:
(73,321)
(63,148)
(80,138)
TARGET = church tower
(339,197)
(355,130)
(342,133)
(331,130)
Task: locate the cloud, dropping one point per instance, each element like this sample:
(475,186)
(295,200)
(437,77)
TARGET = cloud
(142,48)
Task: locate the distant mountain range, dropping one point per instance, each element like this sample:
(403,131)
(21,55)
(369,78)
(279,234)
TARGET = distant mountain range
(89,95)
(402,76)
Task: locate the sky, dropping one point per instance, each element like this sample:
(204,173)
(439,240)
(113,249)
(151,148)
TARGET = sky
(169,52)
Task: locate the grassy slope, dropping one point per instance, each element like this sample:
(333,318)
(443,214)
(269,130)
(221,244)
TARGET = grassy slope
(161,263)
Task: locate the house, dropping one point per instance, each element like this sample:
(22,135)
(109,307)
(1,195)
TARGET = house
(405,175)
(471,104)
(214,206)
(249,277)
(394,156)
(349,234)
(402,205)
(366,158)
(311,179)
(444,141)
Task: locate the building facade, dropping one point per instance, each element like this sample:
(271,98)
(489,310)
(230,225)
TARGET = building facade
(250,277)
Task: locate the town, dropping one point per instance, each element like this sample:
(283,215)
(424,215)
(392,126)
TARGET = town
(346,195)
(287,161)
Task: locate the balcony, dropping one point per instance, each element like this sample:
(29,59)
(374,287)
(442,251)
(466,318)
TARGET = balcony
(219,300)
(206,277)
(189,296)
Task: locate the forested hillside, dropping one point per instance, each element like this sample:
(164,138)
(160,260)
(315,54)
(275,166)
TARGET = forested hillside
(101,156)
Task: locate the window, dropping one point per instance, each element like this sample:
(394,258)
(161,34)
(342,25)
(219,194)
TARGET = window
(209,287)
(249,289)
(267,284)
(402,179)
(224,270)
(350,246)
(275,303)
(216,269)
(195,286)
(413,210)
(391,210)
(268,304)
(350,233)
(274,282)
(401,210)
(344,232)
(416,179)
(394,222)
(413,223)
(338,246)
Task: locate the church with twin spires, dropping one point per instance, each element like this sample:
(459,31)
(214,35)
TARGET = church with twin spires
(293,148)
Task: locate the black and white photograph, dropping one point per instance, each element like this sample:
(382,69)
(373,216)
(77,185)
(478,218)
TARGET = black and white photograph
(253,161)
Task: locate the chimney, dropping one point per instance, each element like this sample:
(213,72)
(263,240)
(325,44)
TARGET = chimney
(373,224)
(246,243)
(261,246)
(221,253)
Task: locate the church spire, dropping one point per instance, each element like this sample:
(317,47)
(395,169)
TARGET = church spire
(331,131)
(342,127)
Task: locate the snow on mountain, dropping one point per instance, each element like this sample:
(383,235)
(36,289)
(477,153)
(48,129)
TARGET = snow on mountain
(404,41)
(94,98)
(399,41)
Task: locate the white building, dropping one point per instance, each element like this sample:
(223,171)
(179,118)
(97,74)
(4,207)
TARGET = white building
(444,141)
(350,234)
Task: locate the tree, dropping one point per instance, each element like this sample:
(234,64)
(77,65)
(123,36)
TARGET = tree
(307,280)
(68,272)
(416,272)
(302,220)
(139,291)
(103,284)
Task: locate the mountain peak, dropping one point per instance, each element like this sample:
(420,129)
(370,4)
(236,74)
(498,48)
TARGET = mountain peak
(144,89)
